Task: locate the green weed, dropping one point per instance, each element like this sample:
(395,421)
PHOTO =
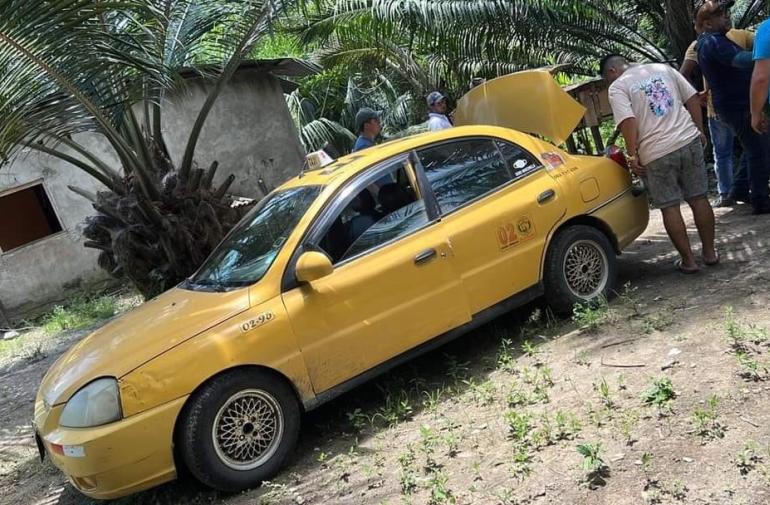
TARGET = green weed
(589,316)
(659,393)
(593,464)
(79,313)
(748,458)
(706,421)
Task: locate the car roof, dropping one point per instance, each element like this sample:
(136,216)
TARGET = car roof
(349,165)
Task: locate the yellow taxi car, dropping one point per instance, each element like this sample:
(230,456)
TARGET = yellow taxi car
(335,277)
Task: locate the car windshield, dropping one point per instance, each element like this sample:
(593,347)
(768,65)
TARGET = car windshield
(248,251)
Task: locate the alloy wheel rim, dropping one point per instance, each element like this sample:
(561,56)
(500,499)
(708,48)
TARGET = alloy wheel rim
(247,429)
(585,269)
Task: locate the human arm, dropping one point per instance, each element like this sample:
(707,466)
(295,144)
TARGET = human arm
(629,128)
(760,83)
(690,63)
(696,112)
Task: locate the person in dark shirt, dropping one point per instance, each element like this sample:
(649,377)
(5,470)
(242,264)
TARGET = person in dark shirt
(727,67)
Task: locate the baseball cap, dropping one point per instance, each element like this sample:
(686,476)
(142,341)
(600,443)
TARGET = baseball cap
(434,98)
(709,9)
(363,115)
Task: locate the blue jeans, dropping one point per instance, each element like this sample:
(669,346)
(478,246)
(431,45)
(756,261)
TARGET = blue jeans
(756,150)
(723,139)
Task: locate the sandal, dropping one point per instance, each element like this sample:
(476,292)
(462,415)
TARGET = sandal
(684,270)
(712,263)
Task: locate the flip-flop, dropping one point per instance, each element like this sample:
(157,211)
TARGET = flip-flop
(686,271)
(712,263)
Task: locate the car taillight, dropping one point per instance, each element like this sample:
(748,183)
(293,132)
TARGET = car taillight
(616,154)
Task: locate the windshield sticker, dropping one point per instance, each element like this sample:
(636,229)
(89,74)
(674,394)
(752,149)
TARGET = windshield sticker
(258,321)
(510,234)
(552,160)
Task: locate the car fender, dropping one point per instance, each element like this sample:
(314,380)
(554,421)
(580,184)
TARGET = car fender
(261,336)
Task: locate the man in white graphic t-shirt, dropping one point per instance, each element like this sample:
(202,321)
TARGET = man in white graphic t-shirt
(659,115)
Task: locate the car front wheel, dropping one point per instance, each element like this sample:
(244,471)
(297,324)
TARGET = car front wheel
(580,268)
(239,430)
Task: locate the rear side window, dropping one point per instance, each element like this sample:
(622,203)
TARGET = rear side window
(519,161)
(462,171)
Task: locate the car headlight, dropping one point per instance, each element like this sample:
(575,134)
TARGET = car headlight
(93,405)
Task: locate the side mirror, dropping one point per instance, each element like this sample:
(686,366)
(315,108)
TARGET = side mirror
(312,266)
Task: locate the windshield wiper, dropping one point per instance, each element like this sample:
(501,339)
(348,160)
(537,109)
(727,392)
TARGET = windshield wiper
(207,284)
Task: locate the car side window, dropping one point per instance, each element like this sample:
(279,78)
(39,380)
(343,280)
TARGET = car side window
(519,161)
(377,214)
(462,171)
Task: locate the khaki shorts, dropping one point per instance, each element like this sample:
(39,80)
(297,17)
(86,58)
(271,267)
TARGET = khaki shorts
(678,176)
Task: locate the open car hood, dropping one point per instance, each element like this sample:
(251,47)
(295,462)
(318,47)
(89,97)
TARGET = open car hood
(530,101)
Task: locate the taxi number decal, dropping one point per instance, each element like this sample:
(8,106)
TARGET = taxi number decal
(511,234)
(258,321)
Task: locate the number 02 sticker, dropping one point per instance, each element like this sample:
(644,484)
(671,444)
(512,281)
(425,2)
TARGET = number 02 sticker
(257,321)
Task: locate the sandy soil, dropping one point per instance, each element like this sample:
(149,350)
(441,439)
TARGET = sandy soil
(492,419)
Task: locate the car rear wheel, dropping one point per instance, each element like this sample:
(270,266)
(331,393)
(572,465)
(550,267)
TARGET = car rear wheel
(580,268)
(239,430)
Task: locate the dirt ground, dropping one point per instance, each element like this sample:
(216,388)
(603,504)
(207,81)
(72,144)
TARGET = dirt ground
(496,417)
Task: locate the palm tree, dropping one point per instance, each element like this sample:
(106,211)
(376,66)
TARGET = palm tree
(105,67)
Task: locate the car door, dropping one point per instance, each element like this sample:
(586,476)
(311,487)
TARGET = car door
(393,286)
(498,206)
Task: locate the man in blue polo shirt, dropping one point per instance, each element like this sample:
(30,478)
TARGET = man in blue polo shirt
(727,68)
(368,126)
(760,80)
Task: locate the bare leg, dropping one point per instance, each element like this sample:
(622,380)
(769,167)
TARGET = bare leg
(677,232)
(704,220)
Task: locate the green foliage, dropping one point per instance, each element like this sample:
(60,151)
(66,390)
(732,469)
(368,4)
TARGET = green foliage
(659,393)
(79,313)
(706,420)
(748,457)
(589,316)
(593,464)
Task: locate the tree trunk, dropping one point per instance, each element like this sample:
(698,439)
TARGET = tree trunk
(679,26)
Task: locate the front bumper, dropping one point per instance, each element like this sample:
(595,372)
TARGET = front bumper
(116,459)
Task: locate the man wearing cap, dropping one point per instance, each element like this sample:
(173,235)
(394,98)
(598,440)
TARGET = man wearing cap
(659,114)
(760,79)
(437,118)
(727,67)
(368,126)
(730,184)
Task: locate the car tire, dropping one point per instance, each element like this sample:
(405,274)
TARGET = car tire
(580,268)
(239,430)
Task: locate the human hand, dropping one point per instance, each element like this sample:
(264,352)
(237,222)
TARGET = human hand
(703,140)
(637,168)
(703,96)
(760,123)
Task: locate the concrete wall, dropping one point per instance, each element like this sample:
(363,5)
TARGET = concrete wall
(249,131)
(48,269)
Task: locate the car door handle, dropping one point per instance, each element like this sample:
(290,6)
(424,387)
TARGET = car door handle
(545,196)
(425,256)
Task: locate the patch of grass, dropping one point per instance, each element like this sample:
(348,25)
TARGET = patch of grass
(660,392)
(748,458)
(706,421)
(358,420)
(397,408)
(739,335)
(567,425)
(657,322)
(626,423)
(604,393)
(581,358)
(751,368)
(408,474)
(506,358)
(589,316)
(79,313)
